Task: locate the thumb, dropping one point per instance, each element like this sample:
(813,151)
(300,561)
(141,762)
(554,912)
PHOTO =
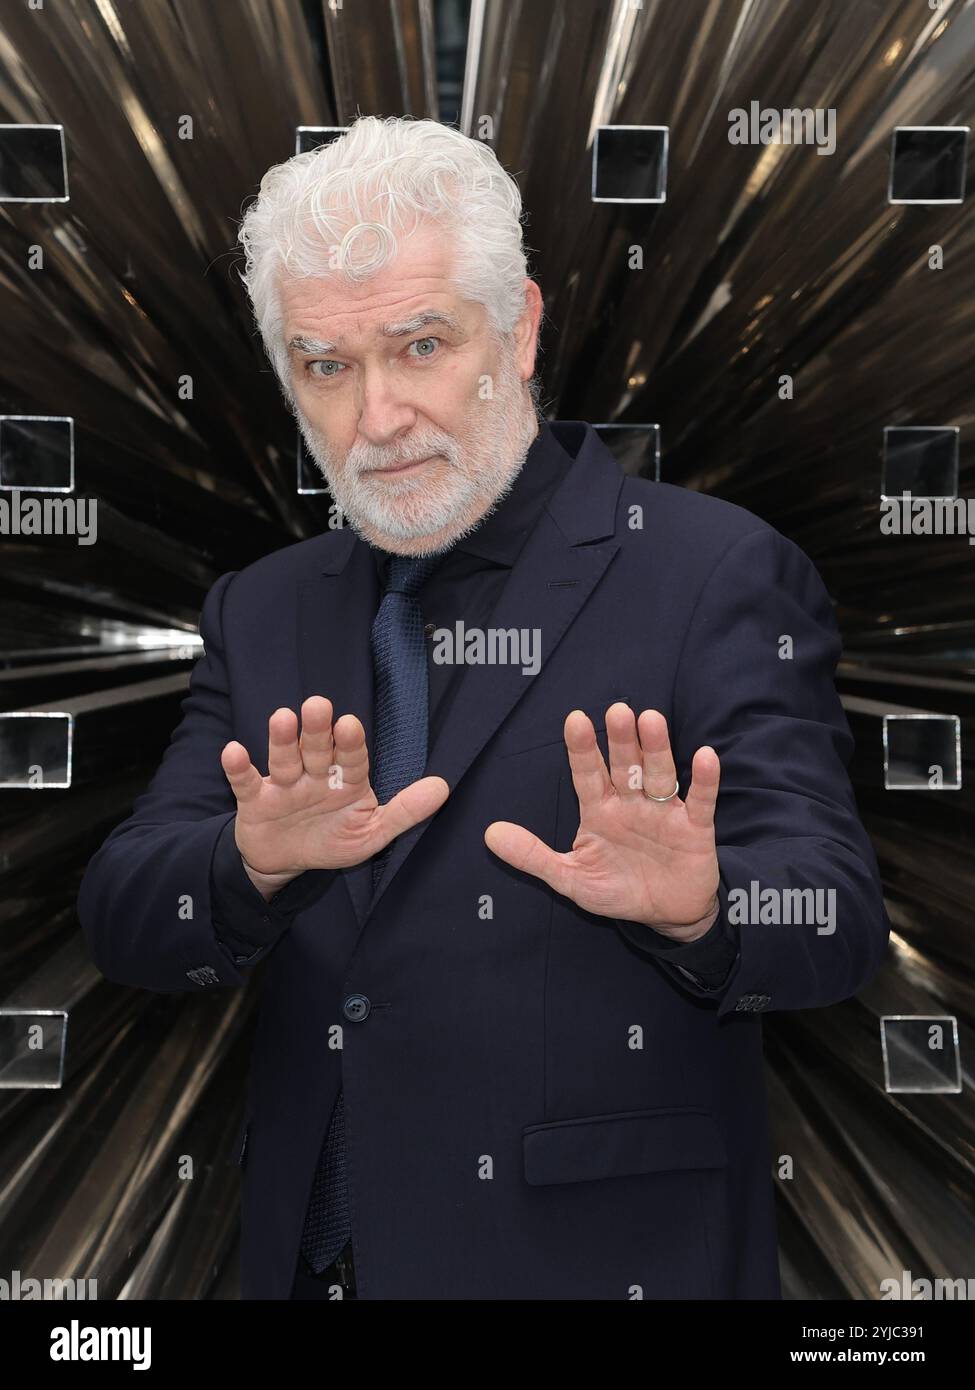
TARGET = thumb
(525,851)
(410,806)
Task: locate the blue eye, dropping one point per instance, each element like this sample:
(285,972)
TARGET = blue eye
(420,341)
(323,363)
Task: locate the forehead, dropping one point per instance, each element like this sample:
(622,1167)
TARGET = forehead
(418,277)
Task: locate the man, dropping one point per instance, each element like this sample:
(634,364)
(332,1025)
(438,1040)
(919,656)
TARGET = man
(509,1041)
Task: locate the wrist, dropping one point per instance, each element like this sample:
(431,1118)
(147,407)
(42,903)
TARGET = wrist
(683,933)
(266,884)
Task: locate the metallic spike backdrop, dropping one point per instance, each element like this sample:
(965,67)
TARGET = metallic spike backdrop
(760,324)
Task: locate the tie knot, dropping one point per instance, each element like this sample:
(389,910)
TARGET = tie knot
(407,573)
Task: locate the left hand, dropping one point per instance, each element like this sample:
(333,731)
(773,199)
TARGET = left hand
(635,859)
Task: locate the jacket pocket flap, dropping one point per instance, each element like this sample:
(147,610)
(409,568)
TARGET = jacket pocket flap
(612,1146)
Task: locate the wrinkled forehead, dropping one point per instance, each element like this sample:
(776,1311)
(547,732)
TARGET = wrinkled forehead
(414,292)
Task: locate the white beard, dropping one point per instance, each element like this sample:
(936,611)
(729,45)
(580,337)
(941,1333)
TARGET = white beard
(476,470)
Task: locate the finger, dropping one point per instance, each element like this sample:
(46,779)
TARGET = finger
(702,794)
(525,851)
(659,772)
(408,807)
(316,744)
(244,778)
(350,754)
(589,775)
(284,763)
(625,754)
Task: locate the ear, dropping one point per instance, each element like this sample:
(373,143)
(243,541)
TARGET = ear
(526,330)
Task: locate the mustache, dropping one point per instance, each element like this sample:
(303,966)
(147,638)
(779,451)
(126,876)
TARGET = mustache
(356,465)
(356,462)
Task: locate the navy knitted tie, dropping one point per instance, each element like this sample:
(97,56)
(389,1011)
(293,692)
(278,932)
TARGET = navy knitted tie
(401,718)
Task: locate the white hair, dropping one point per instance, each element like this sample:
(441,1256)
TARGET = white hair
(337,209)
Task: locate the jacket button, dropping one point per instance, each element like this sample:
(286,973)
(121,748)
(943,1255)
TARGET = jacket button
(356,1008)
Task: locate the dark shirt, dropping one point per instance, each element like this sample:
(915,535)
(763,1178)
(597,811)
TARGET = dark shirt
(464,587)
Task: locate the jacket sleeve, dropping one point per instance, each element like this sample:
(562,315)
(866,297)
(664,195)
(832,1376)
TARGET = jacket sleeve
(755,681)
(165,903)
(706,962)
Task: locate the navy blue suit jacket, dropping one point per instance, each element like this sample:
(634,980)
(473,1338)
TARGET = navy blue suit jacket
(539,1102)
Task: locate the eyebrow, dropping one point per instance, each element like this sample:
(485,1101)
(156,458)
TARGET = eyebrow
(313,346)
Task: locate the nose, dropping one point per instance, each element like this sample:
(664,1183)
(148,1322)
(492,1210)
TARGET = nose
(383,413)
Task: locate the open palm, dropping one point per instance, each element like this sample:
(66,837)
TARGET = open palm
(633,858)
(316,808)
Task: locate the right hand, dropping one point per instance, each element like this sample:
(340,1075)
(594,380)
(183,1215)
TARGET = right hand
(316,808)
